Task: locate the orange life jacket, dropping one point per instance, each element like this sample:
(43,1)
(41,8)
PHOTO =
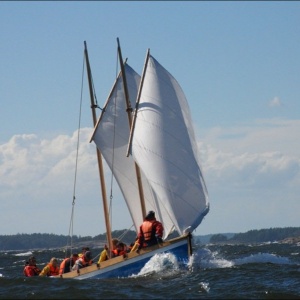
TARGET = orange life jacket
(52,270)
(147,230)
(117,251)
(66,265)
(86,263)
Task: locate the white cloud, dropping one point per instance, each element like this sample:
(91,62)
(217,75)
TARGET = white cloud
(269,135)
(253,176)
(275,102)
(37,184)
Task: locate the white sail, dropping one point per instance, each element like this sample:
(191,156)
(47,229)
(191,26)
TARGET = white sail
(164,146)
(111,137)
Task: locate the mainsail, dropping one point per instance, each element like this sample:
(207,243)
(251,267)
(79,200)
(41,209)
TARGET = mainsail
(163,145)
(111,137)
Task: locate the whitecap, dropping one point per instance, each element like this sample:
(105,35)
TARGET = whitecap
(160,263)
(204,258)
(262,258)
(23,254)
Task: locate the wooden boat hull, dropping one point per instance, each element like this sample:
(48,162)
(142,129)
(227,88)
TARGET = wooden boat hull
(132,263)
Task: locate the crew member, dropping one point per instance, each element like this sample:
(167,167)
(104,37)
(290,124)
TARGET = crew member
(67,264)
(51,269)
(31,269)
(151,231)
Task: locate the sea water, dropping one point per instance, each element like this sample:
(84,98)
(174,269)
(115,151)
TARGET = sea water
(265,271)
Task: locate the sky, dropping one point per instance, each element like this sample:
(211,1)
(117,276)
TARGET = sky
(238,63)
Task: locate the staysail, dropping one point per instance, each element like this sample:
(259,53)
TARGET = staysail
(111,137)
(164,147)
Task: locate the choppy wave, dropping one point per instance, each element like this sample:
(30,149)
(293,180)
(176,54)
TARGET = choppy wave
(213,259)
(213,272)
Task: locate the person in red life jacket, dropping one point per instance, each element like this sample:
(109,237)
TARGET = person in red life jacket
(151,231)
(67,264)
(84,261)
(51,269)
(31,269)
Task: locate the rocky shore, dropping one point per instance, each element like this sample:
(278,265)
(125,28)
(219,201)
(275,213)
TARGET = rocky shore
(291,240)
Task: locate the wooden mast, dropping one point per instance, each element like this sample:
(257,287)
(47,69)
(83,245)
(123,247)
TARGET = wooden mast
(99,156)
(129,112)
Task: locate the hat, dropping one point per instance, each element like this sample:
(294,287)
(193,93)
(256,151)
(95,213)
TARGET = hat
(150,215)
(87,255)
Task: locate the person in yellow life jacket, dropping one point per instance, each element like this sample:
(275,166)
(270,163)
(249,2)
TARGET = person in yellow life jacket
(30,268)
(84,261)
(151,231)
(67,264)
(51,269)
(84,249)
(105,252)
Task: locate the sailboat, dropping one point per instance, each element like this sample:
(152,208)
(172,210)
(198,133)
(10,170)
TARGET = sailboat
(145,135)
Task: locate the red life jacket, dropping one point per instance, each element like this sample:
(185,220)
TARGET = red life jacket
(31,271)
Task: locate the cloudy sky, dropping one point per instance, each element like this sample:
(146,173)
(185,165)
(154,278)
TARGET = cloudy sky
(238,63)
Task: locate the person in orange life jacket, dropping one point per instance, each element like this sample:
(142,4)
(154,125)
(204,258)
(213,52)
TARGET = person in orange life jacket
(51,269)
(151,231)
(84,261)
(105,253)
(121,249)
(31,269)
(67,264)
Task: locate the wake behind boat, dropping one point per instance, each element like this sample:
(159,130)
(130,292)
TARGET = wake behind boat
(145,135)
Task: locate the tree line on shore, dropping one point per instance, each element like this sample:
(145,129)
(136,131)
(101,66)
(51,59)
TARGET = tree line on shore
(258,236)
(49,241)
(53,241)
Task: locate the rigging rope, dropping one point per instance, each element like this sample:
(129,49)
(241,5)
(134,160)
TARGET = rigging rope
(71,226)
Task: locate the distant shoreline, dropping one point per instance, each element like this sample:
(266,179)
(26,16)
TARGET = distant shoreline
(23,242)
